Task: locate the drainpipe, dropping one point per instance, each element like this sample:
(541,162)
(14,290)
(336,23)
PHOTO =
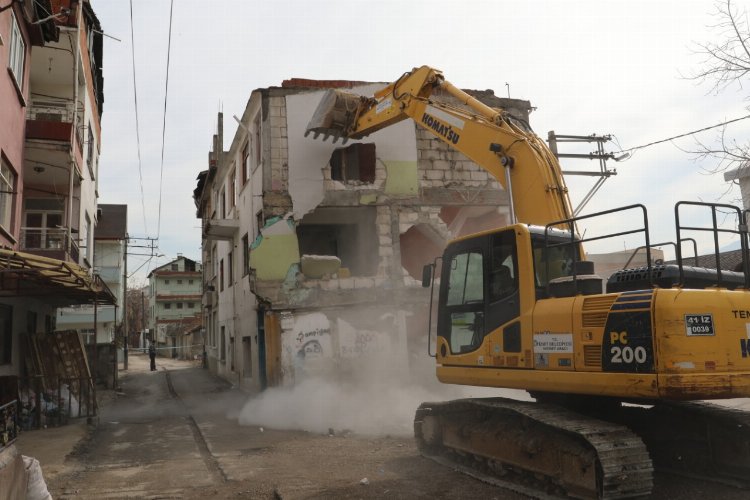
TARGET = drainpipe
(96,346)
(76,58)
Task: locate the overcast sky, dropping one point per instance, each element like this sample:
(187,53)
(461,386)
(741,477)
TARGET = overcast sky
(605,67)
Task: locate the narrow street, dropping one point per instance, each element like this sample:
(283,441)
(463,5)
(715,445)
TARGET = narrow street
(173,433)
(169,435)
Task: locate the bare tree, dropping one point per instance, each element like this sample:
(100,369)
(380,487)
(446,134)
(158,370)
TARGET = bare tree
(725,62)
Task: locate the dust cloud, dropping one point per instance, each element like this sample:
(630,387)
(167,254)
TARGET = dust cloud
(374,395)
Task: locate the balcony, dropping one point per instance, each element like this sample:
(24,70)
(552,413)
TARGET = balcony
(221,229)
(52,120)
(49,242)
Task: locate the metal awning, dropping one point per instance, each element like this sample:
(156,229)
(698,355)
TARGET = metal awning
(60,282)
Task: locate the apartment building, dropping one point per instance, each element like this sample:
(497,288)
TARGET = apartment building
(313,251)
(174,303)
(50,108)
(110,246)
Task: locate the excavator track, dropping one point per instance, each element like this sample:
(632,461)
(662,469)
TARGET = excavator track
(548,448)
(697,439)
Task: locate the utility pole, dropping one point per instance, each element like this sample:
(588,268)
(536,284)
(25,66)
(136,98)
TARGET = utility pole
(143,319)
(125,325)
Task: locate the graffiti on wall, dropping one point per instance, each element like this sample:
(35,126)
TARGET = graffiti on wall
(305,339)
(355,342)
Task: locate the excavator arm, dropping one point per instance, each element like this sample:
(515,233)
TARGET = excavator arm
(514,155)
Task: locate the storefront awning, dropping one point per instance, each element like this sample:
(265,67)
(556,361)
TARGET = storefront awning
(59,282)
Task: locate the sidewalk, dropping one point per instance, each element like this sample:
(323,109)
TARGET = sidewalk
(52,446)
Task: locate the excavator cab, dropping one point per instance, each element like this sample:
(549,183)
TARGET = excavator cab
(491,282)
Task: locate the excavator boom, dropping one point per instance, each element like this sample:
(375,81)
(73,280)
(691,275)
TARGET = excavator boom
(490,137)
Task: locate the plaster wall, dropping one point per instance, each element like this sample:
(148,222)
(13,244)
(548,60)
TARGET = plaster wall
(329,343)
(308,157)
(13,117)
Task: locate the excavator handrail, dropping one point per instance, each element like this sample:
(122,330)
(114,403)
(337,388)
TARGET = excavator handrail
(665,243)
(741,231)
(571,222)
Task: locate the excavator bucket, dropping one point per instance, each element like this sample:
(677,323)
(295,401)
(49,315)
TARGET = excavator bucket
(335,115)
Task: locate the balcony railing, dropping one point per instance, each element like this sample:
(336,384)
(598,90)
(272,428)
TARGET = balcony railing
(52,110)
(49,242)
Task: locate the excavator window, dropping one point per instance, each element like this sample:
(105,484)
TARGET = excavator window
(465,300)
(554,260)
(481,292)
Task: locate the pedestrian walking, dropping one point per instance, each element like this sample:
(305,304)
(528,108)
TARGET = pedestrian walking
(152,356)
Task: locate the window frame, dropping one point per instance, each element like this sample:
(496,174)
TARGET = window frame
(246,162)
(17,46)
(233,187)
(7,199)
(230,268)
(258,142)
(245,255)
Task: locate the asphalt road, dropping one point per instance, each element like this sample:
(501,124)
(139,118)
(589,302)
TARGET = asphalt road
(172,434)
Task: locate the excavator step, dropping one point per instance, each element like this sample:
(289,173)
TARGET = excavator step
(558,452)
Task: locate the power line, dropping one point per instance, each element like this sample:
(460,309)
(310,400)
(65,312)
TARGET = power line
(164,120)
(137,127)
(682,135)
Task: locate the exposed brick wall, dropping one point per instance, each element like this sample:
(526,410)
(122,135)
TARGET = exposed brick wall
(279,144)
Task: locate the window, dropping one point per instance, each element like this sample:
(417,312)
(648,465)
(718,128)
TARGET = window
(223,344)
(246,163)
(7,186)
(245,255)
(231,353)
(257,143)
(191,305)
(166,282)
(175,267)
(6,334)
(179,282)
(230,269)
(214,261)
(554,262)
(90,153)
(259,222)
(167,305)
(179,305)
(466,282)
(88,335)
(223,198)
(86,237)
(465,301)
(17,51)
(233,188)
(221,275)
(354,163)
(503,280)
(190,282)
(43,223)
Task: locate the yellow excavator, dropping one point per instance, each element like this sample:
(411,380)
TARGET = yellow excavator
(619,376)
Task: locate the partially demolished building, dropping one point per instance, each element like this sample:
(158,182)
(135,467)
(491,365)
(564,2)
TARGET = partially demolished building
(313,251)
